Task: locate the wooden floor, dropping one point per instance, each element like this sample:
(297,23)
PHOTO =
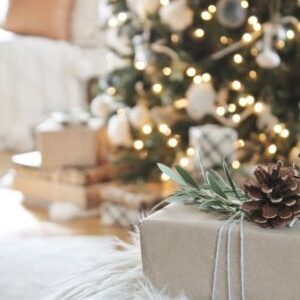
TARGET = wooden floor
(23,220)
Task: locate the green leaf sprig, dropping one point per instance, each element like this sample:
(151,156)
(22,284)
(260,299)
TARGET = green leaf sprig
(216,194)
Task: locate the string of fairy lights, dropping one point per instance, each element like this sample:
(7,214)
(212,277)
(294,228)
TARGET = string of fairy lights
(231,114)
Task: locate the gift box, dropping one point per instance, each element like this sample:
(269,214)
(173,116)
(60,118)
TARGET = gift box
(214,142)
(69,143)
(178,251)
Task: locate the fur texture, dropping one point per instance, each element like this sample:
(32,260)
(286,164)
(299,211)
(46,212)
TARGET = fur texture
(119,277)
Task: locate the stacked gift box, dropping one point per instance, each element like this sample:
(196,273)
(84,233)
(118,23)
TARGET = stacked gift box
(72,165)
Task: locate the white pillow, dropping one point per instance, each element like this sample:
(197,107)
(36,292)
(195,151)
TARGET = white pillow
(86,24)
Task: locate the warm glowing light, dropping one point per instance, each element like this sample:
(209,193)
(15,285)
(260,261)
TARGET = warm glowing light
(206,16)
(252,20)
(277,128)
(236,118)
(140,65)
(250,100)
(147,129)
(172,142)
(111,91)
(197,79)
(280,44)
(181,103)
(157,88)
(290,34)
(231,107)
(257,27)
(174,38)
(184,162)
(198,33)
(237,58)
(247,37)
(122,16)
(243,101)
(236,85)
(224,39)
(138,144)
(191,72)
(253,74)
(285,133)
(254,51)
(167,71)
(164,2)
(164,129)
(206,77)
(113,22)
(262,137)
(220,110)
(212,9)
(258,107)
(190,151)
(272,149)
(164,177)
(244,4)
(240,143)
(236,164)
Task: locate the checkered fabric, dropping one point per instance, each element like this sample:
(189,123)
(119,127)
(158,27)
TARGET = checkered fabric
(118,214)
(214,143)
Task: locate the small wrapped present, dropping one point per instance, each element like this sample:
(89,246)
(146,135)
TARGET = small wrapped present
(66,141)
(179,255)
(123,204)
(214,142)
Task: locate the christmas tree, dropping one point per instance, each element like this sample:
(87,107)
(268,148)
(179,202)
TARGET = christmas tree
(191,62)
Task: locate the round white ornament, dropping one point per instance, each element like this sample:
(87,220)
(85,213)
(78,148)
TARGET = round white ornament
(201,98)
(118,130)
(230,13)
(268,59)
(177,15)
(139,116)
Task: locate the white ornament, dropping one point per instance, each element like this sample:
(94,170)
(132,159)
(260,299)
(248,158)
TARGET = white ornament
(268,59)
(230,13)
(101,106)
(143,7)
(139,116)
(201,98)
(177,15)
(118,130)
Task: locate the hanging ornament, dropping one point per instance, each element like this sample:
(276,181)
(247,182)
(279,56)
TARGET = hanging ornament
(230,13)
(139,116)
(143,55)
(268,58)
(118,130)
(177,15)
(143,7)
(201,98)
(102,106)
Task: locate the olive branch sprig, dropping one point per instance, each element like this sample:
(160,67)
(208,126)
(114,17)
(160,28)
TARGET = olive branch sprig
(216,194)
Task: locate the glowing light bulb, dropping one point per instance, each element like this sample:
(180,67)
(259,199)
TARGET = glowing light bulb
(164,2)
(184,162)
(206,16)
(138,144)
(198,33)
(197,79)
(206,77)
(122,16)
(212,8)
(250,100)
(277,128)
(240,143)
(236,118)
(190,151)
(258,107)
(167,71)
(172,142)
(242,101)
(224,39)
(236,85)
(285,133)
(140,65)
(236,164)
(164,177)
(220,110)
(256,27)
(253,74)
(272,149)
(231,107)
(191,72)
(247,37)
(237,58)
(164,129)
(157,88)
(147,129)
(174,38)
(113,22)
(252,20)
(111,91)
(244,4)
(290,34)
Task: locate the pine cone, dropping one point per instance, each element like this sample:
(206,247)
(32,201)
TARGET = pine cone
(274,199)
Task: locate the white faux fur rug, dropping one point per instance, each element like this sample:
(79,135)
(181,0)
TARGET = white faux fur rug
(119,276)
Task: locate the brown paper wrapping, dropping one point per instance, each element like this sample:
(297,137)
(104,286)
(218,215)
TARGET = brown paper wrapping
(178,247)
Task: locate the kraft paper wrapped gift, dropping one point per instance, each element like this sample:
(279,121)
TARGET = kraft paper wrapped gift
(178,249)
(71,144)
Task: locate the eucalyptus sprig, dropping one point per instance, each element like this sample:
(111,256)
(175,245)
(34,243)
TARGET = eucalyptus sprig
(215,194)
